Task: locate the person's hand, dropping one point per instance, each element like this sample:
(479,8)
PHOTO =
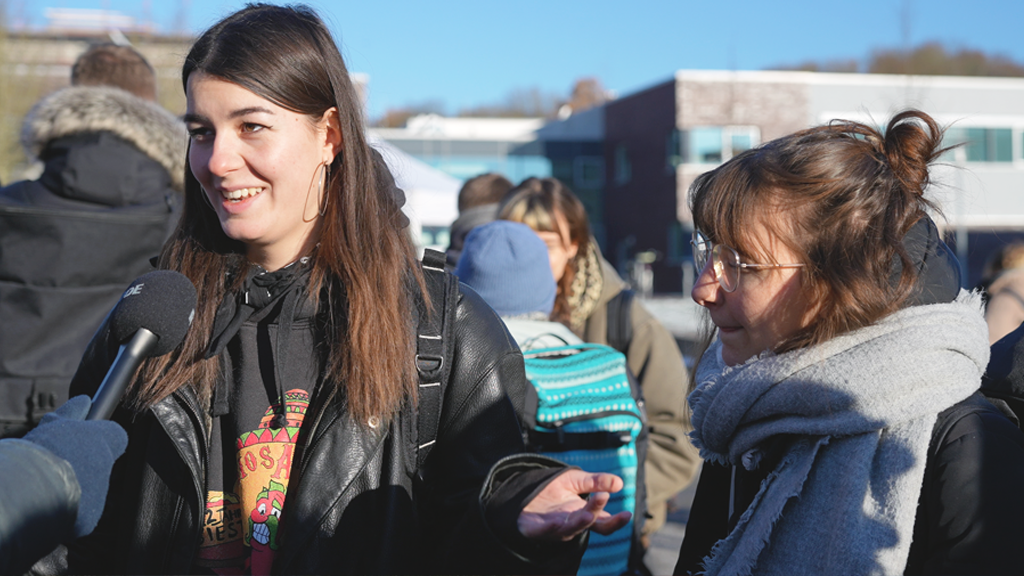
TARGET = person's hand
(560,512)
(90,446)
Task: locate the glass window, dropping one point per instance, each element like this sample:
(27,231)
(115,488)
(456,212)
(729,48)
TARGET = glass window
(674,149)
(741,142)
(716,144)
(1002,143)
(588,172)
(623,169)
(705,145)
(979,144)
(435,237)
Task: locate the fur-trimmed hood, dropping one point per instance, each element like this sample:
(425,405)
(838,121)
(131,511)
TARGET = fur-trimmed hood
(153,130)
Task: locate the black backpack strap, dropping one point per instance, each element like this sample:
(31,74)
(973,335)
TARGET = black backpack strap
(620,320)
(433,350)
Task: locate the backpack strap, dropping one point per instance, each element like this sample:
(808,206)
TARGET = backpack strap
(433,350)
(620,320)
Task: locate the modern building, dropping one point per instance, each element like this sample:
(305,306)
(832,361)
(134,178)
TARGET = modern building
(658,140)
(570,149)
(466,147)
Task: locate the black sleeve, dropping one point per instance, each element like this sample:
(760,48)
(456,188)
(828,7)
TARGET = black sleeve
(709,518)
(972,502)
(38,503)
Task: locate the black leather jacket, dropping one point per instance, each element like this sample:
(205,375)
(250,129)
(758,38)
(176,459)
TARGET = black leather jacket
(359,506)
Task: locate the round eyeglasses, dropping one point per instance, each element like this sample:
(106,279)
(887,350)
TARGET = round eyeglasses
(725,261)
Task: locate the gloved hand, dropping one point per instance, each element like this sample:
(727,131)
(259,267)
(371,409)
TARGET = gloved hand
(91,447)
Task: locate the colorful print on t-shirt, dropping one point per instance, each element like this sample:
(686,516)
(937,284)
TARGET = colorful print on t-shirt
(240,532)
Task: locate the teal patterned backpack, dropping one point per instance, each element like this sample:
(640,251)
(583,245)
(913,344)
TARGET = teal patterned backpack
(586,410)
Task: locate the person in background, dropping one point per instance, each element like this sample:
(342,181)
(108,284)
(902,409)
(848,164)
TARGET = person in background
(506,264)
(587,287)
(478,204)
(1005,310)
(288,433)
(837,408)
(53,482)
(113,164)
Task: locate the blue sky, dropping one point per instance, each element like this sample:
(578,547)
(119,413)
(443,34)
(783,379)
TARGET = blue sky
(465,53)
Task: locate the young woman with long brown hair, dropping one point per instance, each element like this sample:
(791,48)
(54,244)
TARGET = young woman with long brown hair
(282,436)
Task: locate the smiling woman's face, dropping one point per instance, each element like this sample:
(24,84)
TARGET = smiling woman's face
(769,306)
(260,166)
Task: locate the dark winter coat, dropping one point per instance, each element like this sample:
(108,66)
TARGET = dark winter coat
(356,504)
(73,239)
(39,503)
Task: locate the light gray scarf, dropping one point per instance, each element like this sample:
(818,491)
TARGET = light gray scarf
(861,407)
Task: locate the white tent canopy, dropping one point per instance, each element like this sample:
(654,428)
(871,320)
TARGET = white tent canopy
(431,196)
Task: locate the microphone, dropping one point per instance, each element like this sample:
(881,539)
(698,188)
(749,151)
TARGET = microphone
(151,319)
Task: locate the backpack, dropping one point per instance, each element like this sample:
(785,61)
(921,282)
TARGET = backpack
(585,409)
(433,350)
(612,437)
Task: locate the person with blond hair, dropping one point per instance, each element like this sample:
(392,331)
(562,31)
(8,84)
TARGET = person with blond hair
(591,298)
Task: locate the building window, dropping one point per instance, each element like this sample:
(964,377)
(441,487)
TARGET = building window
(713,144)
(438,237)
(979,144)
(623,169)
(673,150)
(588,172)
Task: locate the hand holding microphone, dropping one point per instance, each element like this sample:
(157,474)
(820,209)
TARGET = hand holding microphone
(151,319)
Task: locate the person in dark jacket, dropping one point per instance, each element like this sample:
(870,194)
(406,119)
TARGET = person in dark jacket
(478,205)
(283,435)
(113,168)
(837,408)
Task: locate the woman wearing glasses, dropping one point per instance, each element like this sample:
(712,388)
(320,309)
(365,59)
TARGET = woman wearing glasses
(837,407)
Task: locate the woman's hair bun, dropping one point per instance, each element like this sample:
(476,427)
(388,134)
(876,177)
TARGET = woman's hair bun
(912,141)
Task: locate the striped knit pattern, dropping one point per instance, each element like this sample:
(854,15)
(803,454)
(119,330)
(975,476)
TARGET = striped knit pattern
(585,388)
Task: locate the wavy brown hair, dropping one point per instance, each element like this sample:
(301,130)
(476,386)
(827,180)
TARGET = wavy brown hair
(365,263)
(841,197)
(537,202)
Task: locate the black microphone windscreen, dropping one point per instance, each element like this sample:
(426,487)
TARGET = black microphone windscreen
(162,302)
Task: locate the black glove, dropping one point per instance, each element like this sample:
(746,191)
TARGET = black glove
(91,447)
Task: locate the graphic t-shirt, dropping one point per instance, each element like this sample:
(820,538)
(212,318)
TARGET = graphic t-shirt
(240,527)
(253,458)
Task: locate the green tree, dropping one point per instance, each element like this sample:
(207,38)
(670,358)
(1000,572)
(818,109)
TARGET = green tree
(928,59)
(934,59)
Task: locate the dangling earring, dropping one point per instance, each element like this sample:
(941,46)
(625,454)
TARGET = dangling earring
(325,185)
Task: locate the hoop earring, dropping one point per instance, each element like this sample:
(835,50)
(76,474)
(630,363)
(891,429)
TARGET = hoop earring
(325,185)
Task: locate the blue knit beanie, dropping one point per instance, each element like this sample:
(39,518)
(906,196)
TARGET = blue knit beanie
(507,264)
